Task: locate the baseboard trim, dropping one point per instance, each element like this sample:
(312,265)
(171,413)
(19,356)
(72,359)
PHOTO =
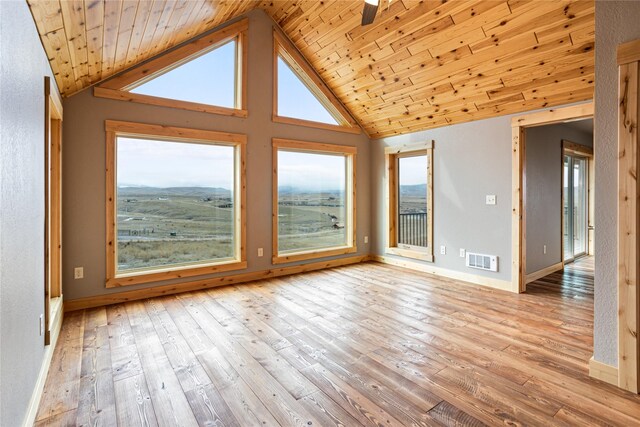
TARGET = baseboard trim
(155,291)
(532,277)
(36,396)
(603,372)
(503,285)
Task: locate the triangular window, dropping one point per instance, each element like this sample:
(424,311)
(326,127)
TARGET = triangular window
(206,74)
(296,100)
(301,96)
(208,79)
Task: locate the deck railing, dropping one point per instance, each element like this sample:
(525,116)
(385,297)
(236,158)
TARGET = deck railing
(412,229)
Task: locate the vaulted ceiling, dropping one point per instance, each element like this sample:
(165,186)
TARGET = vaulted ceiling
(421,64)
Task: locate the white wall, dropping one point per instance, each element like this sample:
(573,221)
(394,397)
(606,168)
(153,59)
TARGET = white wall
(471,160)
(22,70)
(616,22)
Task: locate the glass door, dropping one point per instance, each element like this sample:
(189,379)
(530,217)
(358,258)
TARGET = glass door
(579,206)
(574,206)
(566,210)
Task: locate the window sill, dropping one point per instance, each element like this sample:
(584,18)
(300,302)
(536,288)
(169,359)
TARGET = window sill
(320,253)
(122,95)
(410,253)
(317,125)
(172,273)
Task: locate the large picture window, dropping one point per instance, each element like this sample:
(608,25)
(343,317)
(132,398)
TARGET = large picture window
(175,202)
(314,200)
(410,200)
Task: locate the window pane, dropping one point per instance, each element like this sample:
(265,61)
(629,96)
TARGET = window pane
(175,203)
(296,100)
(209,79)
(412,201)
(311,201)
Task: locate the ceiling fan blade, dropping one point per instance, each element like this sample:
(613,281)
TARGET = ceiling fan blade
(369,11)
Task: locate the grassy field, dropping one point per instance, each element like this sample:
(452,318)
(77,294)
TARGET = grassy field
(306,227)
(164,227)
(173,227)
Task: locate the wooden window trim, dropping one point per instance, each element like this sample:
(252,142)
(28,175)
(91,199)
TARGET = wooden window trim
(238,141)
(392,154)
(320,148)
(118,86)
(284,48)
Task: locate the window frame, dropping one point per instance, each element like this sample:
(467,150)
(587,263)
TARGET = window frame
(118,87)
(283,48)
(392,155)
(350,193)
(115,129)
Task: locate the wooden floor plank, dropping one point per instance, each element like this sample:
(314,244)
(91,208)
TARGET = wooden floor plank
(97,406)
(170,405)
(366,344)
(133,402)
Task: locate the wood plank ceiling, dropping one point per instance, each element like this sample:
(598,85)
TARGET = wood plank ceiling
(422,64)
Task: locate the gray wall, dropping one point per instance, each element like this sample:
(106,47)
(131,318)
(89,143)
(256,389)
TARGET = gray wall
(471,160)
(544,193)
(84,165)
(616,22)
(22,70)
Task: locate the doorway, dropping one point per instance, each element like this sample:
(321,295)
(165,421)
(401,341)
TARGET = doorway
(519,199)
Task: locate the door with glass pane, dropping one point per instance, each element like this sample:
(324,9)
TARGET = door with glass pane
(574,206)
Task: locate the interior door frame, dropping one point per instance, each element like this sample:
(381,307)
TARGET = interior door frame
(628,59)
(52,207)
(518,179)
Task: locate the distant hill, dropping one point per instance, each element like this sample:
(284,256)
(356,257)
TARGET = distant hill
(413,190)
(289,189)
(173,191)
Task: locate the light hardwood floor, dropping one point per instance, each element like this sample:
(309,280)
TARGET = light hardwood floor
(367,344)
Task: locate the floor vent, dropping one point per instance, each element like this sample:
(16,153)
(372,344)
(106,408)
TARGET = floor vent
(483,262)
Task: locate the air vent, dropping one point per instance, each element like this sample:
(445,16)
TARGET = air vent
(483,262)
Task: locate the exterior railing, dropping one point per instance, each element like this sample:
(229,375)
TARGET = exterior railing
(412,229)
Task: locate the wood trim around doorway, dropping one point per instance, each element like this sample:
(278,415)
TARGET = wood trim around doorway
(628,216)
(518,179)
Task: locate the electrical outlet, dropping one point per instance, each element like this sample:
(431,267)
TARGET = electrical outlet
(443,250)
(260,252)
(78,273)
(463,253)
(41,324)
(366,239)
(544,249)
(491,199)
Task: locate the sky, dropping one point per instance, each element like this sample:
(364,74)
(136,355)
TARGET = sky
(413,170)
(165,164)
(311,171)
(208,79)
(295,100)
